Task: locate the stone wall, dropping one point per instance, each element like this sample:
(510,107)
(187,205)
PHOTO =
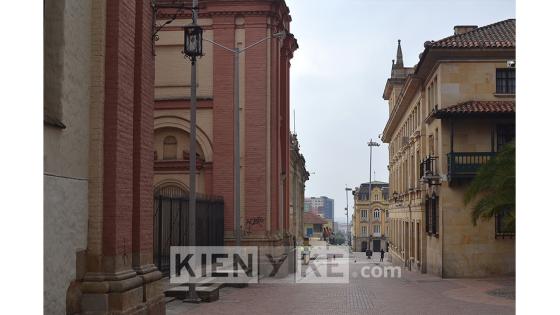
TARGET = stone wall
(67,91)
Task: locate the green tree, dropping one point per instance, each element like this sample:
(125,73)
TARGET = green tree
(493,188)
(339,238)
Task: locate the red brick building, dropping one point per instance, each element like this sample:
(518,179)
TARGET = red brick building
(264,114)
(98,173)
(99,141)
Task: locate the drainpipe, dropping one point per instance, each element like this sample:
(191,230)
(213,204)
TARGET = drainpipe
(409,232)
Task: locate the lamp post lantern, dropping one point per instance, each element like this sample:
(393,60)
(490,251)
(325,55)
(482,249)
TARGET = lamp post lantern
(192,45)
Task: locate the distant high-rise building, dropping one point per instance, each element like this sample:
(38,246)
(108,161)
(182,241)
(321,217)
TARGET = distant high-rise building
(322,206)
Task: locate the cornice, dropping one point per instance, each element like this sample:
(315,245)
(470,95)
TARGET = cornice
(410,87)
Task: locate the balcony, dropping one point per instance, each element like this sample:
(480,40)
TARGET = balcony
(428,170)
(466,164)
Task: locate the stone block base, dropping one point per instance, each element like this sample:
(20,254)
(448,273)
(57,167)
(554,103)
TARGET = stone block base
(127,302)
(137,295)
(207,293)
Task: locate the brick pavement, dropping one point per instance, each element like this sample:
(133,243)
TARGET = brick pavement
(413,293)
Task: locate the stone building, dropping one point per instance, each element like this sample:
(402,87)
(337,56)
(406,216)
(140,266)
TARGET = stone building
(369,221)
(449,114)
(264,116)
(298,176)
(98,159)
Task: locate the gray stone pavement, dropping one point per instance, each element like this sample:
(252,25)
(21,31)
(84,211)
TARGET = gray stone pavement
(413,293)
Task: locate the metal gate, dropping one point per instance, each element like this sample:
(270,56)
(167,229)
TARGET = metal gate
(171,221)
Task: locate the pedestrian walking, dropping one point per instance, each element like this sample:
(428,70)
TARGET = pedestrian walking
(382,254)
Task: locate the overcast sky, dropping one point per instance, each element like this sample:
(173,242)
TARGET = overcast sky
(340,69)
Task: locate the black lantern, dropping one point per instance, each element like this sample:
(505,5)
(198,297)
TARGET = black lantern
(193,41)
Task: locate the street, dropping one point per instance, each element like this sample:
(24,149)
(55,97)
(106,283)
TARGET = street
(413,293)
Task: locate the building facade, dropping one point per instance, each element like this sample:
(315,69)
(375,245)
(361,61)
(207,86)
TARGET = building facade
(298,175)
(264,113)
(449,114)
(371,201)
(323,206)
(98,159)
(314,225)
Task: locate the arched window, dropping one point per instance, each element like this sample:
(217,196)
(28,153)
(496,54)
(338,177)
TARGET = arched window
(376,214)
(170,148)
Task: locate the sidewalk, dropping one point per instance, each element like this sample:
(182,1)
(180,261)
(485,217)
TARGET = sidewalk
(413,293)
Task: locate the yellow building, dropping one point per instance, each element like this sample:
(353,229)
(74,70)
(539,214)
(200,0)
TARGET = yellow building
(449,114)
(369,228)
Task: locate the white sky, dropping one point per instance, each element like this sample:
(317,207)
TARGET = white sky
(340,69)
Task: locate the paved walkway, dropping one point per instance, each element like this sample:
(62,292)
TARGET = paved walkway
(413,293)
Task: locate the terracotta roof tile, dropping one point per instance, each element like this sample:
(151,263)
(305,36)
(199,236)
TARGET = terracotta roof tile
(498,35)
(312,218)
(478,107)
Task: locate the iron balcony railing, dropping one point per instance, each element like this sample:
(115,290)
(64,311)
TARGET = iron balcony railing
(466,164)
(428,167)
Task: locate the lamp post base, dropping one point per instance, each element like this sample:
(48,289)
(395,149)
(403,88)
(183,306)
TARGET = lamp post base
(192,297)
(192,300)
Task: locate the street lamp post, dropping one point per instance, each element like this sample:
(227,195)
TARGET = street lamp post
(236,143)
(192,49)
(347,227)
(370,144)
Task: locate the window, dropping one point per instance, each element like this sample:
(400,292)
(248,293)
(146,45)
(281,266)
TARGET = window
(432,214)
(170,148)
(503,229)
(431,148)
(505,134)
(363,214)
(364,230)
(505,81)
(433,95)
(376,214)
(436,93)
(376,229)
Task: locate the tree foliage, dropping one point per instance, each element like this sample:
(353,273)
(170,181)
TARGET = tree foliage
(493,189)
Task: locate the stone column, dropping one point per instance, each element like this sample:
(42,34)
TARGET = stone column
(119,235)
(142,184)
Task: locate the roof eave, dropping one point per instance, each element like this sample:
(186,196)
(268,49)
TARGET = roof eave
(447,115)
(431,55)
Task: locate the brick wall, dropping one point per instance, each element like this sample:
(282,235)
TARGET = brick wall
(142,219)
(223,27)
(118,129)
(255,118)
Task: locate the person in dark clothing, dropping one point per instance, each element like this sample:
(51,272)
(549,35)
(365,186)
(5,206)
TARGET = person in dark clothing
(382,254)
